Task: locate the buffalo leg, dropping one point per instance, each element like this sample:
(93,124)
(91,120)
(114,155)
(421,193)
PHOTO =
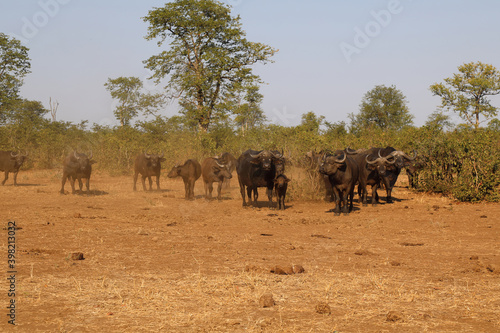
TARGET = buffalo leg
(242,192)
(64,177)
(270,196)
(389,194)
(143,179)
(249,193)
(208,190)
(158,182)
(187,189)
(219,190)
(87,185)
(80,183)
(135,180)
(72,183)
(6,177)
(191,189)
(15,178)
(351,198)
(338,200)
(374,195)
(255,195)
(150,180)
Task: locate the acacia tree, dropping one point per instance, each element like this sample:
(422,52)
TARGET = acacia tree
(131,100)
(466,92)
(14,65)
(382,107)
(208,58)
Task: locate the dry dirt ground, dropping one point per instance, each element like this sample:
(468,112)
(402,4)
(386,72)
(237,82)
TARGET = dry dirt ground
(154,262)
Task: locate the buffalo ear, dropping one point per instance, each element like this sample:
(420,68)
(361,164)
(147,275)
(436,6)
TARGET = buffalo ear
(255,161)
(216,169)
(92,162)
(275,181)
(288,180)
(162,159)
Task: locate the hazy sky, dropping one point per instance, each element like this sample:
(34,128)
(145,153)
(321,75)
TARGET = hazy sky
(330,52)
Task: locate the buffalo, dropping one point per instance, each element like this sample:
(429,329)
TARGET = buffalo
(343,173)
(77,166)
(280,186)
(190,171)
(378,166)
(212,170)
(258,169)
(11,162)
(148,165)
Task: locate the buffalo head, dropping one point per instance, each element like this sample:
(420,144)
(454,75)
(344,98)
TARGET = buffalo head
(221,169)
(265,158)
(331,163)
(83,161)
(379,164)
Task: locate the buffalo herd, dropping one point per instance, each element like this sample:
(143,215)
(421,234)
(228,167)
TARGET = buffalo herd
(340,171)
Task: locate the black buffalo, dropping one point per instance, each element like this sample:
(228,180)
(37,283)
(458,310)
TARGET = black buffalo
(148,165)
(343,173)
(377,167)
(212,170)
(11,162)
(280,187)
(190,171)
(77,166)
(258,169)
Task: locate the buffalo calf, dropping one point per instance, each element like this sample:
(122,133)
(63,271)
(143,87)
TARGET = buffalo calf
(280,187)
(190,171)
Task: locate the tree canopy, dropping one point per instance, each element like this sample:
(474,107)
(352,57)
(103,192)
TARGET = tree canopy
(14,65)
(131,100)
(208,55)
(466,92)
(382,107)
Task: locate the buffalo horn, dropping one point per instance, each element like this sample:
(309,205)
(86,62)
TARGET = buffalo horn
(147,155)
(91,155)
(76,156)
(256,156)
(13,155)
(372,162)
(277,155)
(218,164)
(411,158)
(341,160)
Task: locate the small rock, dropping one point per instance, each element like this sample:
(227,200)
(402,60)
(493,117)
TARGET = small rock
(77,256)
(474,258)
(395,263)
(77,216)
(323,308)
(278,270)
(394,316)
(298,269)
(266,300)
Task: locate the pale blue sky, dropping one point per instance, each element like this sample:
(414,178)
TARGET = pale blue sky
(330,52)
